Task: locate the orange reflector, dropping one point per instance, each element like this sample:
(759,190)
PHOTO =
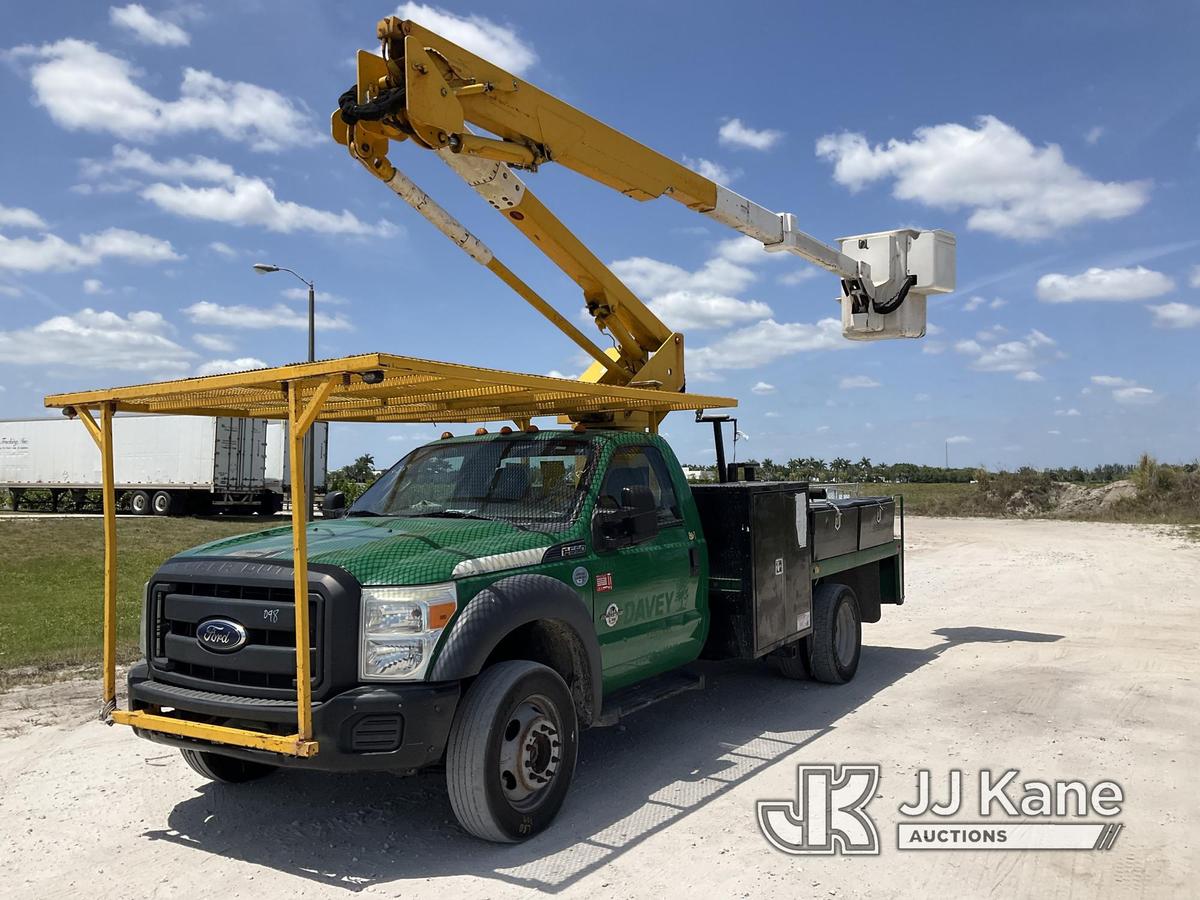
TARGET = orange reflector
(532,429)
(579,427)
(506,430)
(480,431)
(446,434)
(440,613)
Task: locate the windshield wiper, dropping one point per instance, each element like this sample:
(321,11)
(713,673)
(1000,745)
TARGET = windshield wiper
(354,513)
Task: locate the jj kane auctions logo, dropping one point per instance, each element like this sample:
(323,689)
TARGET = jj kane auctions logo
(829,814)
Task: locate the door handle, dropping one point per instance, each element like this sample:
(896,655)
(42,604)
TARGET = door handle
(694,559)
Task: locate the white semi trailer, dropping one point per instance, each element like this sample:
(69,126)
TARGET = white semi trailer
(278,465)
(168,465)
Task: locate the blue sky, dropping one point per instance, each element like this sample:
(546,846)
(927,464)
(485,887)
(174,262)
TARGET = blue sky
(155,152)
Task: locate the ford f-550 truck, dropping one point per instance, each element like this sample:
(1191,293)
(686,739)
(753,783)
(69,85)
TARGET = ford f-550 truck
(492,595)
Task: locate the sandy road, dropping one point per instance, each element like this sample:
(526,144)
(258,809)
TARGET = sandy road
(1063,649)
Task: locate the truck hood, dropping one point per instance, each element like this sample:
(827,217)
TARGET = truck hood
(389,550)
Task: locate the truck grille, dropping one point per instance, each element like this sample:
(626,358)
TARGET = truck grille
(265,665)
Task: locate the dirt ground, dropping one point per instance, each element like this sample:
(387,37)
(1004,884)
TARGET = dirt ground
(1063,649)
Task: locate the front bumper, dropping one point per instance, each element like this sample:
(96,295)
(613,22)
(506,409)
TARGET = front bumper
(396,728)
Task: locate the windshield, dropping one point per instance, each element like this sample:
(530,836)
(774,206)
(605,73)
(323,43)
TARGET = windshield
(523,481)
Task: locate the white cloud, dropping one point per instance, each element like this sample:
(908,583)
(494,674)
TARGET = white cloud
(700,299)
(94,286)
(1021,356)
(852,382)
(686,309)
(1067,412)
(206,312)
(20,217)
(83,88)
(772,415)
(98,340)
(1137,283)
(1135,396)
(146,28)
(9,290)
(958,439)
(1176,315)
(735,133)
(235,199)
(1112,381)
(323,297)
(222,248)
(496,43)
(921,398)
(1011,187)
(1054,431)
(791,279)
(971,304)
(763,342)
(215,342)
(553,373)
(49,252)
(987,335)
(221,366)
(251,201)
(1093,134)
(821,429)
(763,388)
(1194,278)
(713,171)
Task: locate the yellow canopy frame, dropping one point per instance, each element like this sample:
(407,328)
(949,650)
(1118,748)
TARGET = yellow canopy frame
(373,387)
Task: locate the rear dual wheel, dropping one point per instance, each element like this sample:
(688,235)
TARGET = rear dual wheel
(831,653)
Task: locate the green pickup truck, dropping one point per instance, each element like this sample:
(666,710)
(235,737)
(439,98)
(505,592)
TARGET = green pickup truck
(492,595)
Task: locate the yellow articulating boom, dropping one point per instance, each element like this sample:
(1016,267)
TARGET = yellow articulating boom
(428,90)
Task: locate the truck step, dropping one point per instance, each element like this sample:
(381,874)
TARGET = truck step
(648,692)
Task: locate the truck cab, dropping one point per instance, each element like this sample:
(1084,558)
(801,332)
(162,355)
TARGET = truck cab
(492,595)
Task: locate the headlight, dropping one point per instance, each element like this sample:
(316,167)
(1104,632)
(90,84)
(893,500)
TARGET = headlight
(399,628)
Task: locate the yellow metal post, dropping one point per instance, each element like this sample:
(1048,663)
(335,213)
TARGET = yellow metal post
(296,429)
(109,493)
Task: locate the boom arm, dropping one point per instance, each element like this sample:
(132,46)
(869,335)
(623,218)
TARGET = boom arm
(429,90)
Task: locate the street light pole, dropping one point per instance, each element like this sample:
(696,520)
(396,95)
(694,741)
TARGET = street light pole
(310,444)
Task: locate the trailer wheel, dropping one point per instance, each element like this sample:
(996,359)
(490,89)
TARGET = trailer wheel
(512,749)
(835,644)
(162,503)
(225,769)
(139,503)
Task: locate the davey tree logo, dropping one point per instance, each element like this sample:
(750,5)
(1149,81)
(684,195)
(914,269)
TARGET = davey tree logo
(828,815)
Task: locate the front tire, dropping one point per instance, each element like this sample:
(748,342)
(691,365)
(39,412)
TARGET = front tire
(512,751)
(835,644)
(225,769)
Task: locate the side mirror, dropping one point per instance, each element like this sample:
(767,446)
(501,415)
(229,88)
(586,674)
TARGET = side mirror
(334,505)
(634,521)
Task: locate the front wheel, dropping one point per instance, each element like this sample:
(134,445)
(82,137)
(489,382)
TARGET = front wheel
(225,769)
(512,750)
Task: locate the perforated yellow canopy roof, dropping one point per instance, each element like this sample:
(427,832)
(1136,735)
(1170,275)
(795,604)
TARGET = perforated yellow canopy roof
(379,387)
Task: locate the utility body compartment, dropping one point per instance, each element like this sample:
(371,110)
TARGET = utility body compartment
(876,521)
(834,527)
(760,565)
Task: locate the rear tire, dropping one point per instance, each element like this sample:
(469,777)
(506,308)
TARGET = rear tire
(225,769)
(512,751)
(139,503)
(162,503)
(836,642)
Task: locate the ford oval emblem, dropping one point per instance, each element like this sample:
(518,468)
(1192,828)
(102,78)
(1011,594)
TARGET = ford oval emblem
(220,635)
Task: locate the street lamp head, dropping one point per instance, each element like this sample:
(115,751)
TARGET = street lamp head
(265,268)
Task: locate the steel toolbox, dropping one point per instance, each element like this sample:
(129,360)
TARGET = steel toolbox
(834,527)
(876,518)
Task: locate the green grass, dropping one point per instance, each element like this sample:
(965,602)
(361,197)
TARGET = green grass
(929,499)
(51,573)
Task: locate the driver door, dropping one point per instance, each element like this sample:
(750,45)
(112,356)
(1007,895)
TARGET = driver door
(645,596)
